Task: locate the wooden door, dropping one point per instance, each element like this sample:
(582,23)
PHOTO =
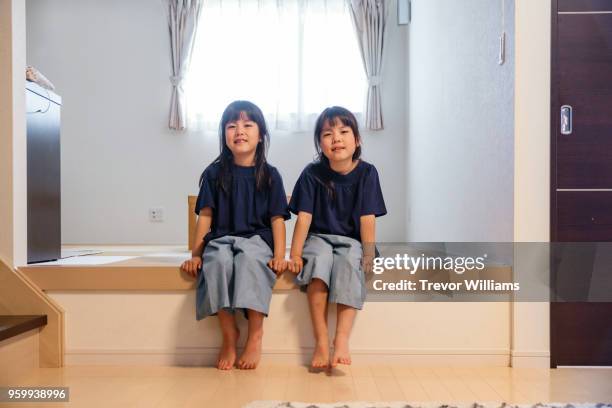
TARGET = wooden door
(581,166)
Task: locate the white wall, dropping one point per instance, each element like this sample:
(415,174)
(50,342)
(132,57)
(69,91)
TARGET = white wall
(460,122)
(13,154)
(110,63)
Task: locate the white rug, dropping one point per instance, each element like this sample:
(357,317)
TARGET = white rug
(404,404)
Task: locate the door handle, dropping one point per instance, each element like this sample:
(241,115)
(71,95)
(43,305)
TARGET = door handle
(566,120)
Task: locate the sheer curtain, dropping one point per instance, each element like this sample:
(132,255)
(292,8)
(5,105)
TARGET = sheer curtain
(292,58)
(183,17)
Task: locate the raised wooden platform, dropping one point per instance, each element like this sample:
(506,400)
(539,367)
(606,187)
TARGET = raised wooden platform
(122,268)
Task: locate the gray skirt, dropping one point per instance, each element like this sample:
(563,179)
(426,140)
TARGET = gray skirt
(336,260)
(235,276)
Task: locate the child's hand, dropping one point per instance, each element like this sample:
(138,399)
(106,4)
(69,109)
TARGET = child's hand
(278,265)
(295,264)
(191,266)
(367,263)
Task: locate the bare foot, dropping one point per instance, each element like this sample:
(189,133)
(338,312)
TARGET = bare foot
(341,352)
(320,357)
(227,354)
(252,352)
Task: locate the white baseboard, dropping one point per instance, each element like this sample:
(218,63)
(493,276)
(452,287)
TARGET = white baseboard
(530,359)
(207,356)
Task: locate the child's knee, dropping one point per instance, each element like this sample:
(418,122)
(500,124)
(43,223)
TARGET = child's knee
(253,314)
(317,284)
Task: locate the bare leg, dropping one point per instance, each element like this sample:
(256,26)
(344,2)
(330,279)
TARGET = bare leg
(227,355)
(252,350)
(317,300)
(344,325)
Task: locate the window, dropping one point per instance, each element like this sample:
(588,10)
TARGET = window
(292,58)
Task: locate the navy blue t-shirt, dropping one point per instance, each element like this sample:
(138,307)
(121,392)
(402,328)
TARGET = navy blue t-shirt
(354,194)
(245,211)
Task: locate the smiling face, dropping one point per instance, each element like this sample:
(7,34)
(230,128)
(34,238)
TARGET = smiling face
(337,140)
(242,136)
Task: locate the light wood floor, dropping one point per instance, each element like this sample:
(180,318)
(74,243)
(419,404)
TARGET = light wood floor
(208,387)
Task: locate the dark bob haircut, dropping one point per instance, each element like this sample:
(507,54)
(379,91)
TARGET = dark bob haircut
(333,116)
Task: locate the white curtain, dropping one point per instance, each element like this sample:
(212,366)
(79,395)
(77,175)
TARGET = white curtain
(183,17)
(292,58)
(370,17)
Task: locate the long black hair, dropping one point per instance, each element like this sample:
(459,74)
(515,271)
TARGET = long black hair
(330,117)
(248,111)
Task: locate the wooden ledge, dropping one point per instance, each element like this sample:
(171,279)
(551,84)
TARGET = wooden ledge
(137,273)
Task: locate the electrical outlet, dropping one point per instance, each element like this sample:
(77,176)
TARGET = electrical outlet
(156,214)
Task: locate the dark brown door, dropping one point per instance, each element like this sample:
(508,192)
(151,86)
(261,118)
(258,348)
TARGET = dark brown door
(581,168)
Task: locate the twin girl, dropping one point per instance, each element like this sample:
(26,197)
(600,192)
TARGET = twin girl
(239,245)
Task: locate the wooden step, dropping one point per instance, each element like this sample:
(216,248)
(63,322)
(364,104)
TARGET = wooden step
(11,326)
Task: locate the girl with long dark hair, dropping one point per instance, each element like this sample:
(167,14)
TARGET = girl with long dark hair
(240,234)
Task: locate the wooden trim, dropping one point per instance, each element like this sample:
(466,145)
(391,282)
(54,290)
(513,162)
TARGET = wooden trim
(309,349)
(207,356)
(567,190)
(554,122)
(20,296)
(583,12)
(191,219)
(554,129)
(108,278)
